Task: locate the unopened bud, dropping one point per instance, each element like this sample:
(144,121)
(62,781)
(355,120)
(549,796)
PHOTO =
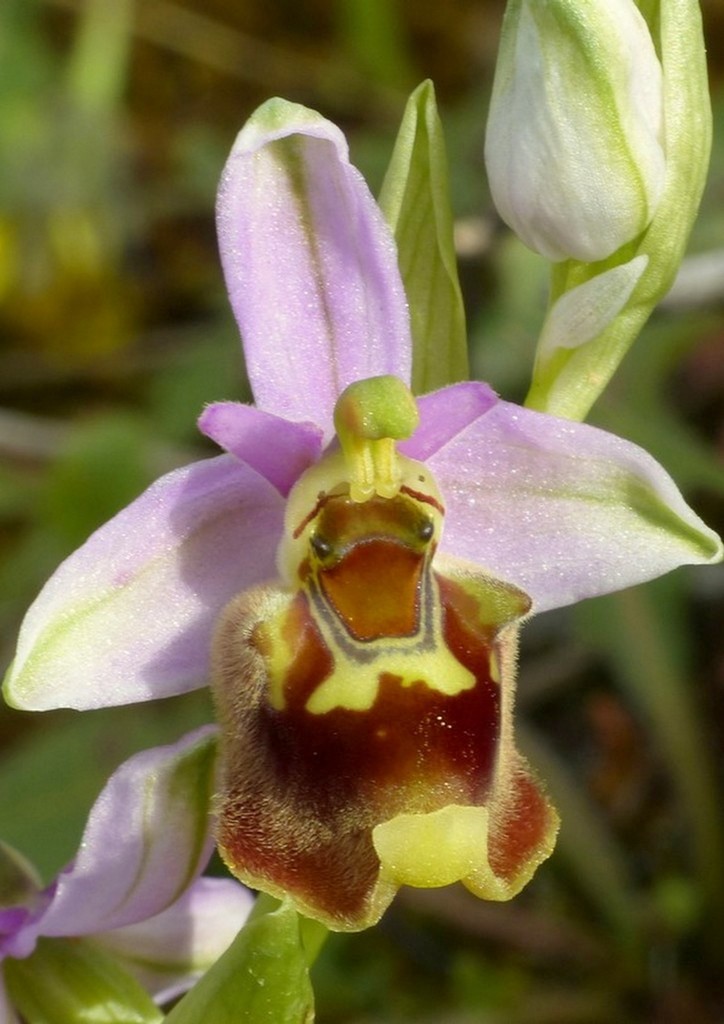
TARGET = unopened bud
(574,146)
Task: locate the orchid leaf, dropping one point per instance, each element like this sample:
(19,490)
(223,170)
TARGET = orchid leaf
(65,982)
(262,977)
(415,201)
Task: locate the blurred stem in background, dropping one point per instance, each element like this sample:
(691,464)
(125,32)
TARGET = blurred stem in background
(646,636)
(372,34)
(97,70)
(63,197)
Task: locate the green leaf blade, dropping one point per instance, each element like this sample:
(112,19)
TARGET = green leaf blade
(415,201)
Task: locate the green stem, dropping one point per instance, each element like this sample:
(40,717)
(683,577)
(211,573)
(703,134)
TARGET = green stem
(313,933)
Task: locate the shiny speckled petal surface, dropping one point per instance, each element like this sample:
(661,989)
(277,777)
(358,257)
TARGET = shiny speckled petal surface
(310,265)
(146,840)
(170,951)
(278,449)
(444,414)
(563,510)
(129,615)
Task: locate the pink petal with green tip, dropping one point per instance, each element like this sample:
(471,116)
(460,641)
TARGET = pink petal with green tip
(129,616)
(561,509)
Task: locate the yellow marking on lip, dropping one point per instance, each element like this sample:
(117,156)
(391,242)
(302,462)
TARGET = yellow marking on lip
(415,660)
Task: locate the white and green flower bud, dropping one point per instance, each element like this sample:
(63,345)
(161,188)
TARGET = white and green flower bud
(575,143)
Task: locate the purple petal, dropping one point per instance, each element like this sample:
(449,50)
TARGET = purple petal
(564,510)
(277,448)
(129,616)
(170,951)
(23,901)
(445,413)
(310,265)
(147,837)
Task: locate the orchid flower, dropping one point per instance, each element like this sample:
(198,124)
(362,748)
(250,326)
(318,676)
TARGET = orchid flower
(363,558)
(140,918)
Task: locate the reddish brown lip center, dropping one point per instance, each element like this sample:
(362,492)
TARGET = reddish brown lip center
(375,589)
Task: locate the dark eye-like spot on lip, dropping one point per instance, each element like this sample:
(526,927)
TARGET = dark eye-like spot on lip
(320,545)
(427,529)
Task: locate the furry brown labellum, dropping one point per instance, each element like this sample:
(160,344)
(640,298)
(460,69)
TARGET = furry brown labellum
(365,710)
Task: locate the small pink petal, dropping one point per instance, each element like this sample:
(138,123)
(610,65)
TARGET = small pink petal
(276,448)
(445,413)
(169,952)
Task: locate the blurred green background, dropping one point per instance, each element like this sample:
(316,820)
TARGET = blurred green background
(115,121)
